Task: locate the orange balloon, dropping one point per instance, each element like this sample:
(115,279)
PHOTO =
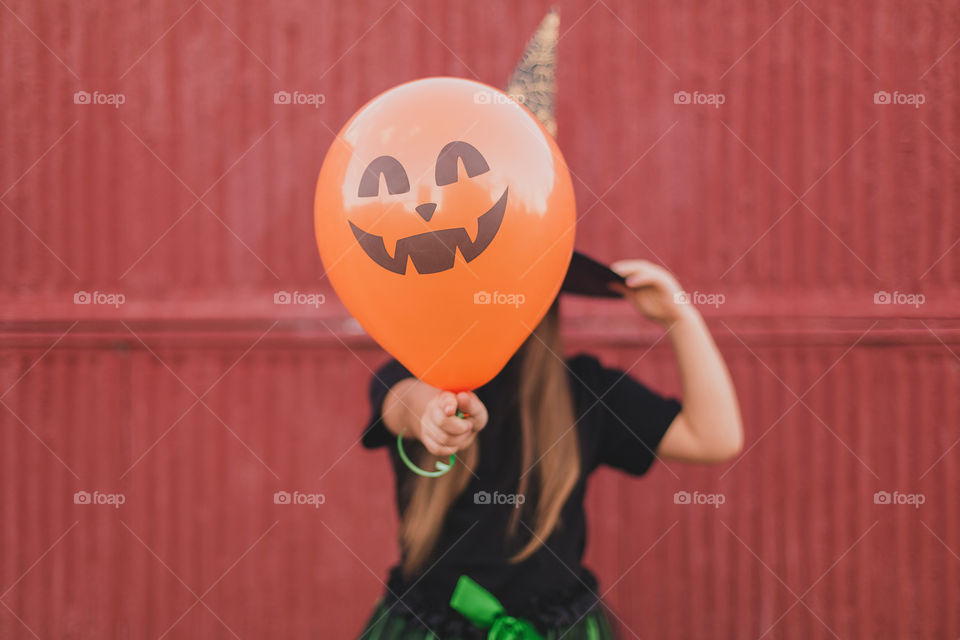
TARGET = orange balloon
(445,219)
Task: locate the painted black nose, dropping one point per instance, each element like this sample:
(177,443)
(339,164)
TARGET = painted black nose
(426,210)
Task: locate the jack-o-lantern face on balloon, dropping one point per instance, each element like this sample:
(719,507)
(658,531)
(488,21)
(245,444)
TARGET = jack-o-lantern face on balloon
(429,251)
(445,218)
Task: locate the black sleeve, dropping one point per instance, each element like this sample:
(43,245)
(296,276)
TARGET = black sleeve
(628,419)
(376,433)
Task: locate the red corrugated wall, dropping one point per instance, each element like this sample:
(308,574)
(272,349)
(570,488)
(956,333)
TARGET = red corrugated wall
(798,199)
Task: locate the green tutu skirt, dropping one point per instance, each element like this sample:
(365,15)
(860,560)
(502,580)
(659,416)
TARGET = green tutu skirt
(390,623)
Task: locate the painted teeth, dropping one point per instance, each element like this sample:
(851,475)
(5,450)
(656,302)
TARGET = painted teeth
(473,229)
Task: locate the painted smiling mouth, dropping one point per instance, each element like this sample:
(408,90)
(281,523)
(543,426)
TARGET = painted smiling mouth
(434,251)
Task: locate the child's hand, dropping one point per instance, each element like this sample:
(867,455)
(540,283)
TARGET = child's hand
(652,290)
(442,432)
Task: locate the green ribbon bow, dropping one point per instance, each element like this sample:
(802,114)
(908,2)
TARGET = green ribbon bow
(480,607)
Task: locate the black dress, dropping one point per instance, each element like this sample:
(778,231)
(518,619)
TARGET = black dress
(620,423)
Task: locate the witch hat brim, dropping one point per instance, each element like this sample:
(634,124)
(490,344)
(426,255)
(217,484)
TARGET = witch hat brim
(534,83)
(587,277)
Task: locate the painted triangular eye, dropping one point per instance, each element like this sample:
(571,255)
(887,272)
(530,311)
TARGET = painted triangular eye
(392,172)
(448,167)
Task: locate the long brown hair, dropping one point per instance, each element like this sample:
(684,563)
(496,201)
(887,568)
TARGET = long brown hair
(550,452)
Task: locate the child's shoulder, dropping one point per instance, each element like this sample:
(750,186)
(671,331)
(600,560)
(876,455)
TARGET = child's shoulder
(584,364)
(587,370)
(582,359)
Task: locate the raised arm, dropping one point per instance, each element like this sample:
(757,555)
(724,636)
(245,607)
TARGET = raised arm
(709,428)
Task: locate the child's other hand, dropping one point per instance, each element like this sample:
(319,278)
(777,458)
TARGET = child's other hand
(442,432)
(652,290)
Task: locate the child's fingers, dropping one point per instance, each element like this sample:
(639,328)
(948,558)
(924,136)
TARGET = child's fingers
(620,288)
(437,449)
(447,402)
(452,431)
(453,426)
(627,268)
(470,404)
(460,443)
(638,280)
(644,276)
(643,273)
(442,444)
(442,432)
(459,426)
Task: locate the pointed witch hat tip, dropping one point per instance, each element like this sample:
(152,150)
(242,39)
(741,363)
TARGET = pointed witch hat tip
(534,80)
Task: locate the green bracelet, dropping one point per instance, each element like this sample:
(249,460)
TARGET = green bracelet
(442,467)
